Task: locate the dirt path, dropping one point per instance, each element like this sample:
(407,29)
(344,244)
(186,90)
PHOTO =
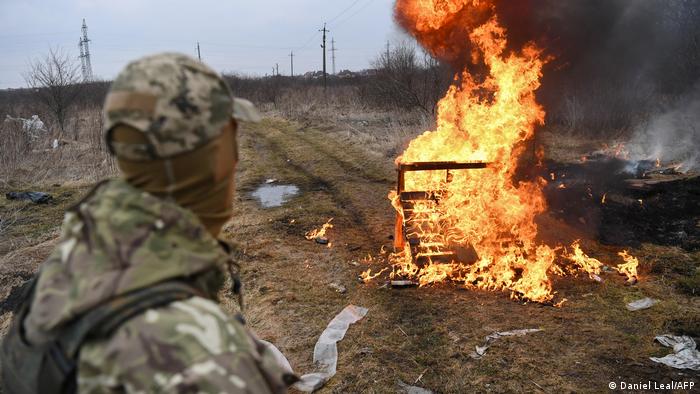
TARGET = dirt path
(419,336)
(422,336)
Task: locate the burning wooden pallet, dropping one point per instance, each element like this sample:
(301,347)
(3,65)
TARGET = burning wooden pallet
(418,209)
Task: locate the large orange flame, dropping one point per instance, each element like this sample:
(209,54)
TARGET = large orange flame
(487,120)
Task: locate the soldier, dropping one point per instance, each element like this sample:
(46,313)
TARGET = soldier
(126,301)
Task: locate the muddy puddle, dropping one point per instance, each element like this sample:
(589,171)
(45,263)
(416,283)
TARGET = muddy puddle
(270,196)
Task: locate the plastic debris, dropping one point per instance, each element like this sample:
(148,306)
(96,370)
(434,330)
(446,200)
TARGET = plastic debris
(321,240)
(644,303)
(32,126)
(325,351)
(35,197)
(685,354)
(408,389)
(481,350)
(338,288)
(403,283)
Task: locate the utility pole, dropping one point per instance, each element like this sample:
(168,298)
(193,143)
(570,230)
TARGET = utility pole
(333,53)
(85,54)
(277,69)
(388,54)
(324,30)
(199,54)
(291,55)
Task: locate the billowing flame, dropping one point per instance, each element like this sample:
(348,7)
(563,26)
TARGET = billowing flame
(320,232)
(367,276)
(584,263)
(485,119)
(629,268)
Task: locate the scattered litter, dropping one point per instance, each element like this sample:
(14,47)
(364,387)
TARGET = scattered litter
(644,303)
(271,180)
(418,379)
(403,283)
(54,144)
(454,337)
(338,288)
(35,197)
(408,389)
(321,240)
(684,356)
(481,350)
(325,351)
(32,126)
(366,350)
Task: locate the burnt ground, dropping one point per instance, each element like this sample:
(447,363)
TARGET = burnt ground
(422,336)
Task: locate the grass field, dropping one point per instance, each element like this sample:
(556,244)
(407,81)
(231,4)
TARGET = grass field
(421,336)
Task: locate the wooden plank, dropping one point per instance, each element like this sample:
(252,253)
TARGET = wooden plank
(417,196)
(441,258)
(441,165)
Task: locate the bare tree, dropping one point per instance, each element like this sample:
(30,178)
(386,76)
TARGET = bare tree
(402,80)
(55,80)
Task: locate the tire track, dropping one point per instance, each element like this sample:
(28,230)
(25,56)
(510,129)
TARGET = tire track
(358,207)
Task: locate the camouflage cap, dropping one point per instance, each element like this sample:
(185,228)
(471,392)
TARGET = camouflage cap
(178,103)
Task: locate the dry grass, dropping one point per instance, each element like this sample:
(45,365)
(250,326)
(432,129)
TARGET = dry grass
(343,166)
(342,114)
(33,161)
(28,233)
(592,340)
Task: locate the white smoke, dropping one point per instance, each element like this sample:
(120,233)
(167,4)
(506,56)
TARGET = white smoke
(672,136)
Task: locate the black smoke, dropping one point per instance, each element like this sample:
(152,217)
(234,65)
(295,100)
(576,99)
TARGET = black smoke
(613,62)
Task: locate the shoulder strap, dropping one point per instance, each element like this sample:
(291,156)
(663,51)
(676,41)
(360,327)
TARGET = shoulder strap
(60,366)
(102,320)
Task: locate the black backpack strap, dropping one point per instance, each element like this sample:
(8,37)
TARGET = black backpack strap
(101,322)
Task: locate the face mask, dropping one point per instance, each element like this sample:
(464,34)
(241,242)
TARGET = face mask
(201,180)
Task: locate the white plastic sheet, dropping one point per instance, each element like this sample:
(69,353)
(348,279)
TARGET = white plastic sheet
(408,389)
(325,351)
(685,354)
(481,350)
(644,303)
(32,126)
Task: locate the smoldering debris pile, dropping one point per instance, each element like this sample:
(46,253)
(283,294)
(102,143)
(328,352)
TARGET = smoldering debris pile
(625,202)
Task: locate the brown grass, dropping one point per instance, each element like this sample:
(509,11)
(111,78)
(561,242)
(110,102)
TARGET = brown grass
(344,170)
(76,161)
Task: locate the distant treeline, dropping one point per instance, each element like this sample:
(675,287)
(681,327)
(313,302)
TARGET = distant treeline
(594,96)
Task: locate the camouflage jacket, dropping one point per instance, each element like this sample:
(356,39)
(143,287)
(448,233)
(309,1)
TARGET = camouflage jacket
(119,239)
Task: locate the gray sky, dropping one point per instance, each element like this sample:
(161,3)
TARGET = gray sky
(240,36)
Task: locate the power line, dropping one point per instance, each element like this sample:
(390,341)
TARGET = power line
(306,44)
(343,11)
(354,14)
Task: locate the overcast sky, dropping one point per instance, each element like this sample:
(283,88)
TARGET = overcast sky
(242,36)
